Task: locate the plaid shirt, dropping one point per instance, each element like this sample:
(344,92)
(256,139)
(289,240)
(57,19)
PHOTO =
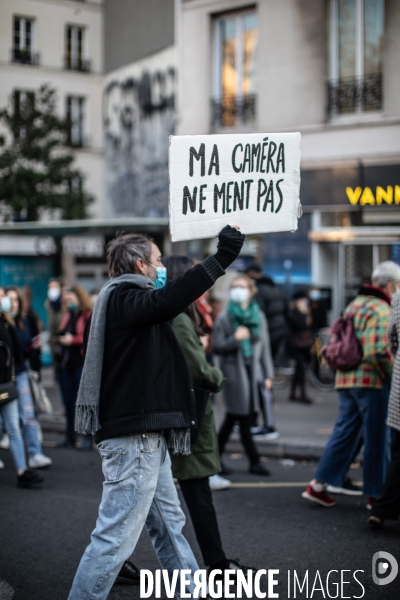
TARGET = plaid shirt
(371,316)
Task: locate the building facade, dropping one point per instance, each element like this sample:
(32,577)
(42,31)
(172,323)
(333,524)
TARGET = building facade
(58,42)
(329,69)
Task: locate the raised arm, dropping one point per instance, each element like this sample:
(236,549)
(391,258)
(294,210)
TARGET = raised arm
(140,308)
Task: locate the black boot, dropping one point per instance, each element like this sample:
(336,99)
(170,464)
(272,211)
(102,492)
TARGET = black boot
(128,574)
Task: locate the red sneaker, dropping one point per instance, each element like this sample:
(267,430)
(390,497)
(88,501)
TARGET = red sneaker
(319,497)
(370,503)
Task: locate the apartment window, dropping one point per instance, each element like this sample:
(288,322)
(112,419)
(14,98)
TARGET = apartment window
(23,104)
(76,121)
(23,41)
(356,38)
(75,49)
(235,69)
(75,185)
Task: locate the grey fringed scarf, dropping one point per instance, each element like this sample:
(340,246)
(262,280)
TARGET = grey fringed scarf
(87,404)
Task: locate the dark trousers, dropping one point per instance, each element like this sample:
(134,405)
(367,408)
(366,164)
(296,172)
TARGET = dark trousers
(70,379)
(198,498)
(299,375)
(388,505)
(245,422)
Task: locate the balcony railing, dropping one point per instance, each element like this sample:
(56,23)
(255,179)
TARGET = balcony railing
(233,111)
(354,95)
(24,56)
(76,64)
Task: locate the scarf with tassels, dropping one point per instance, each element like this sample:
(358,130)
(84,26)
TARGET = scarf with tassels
(87,404)
(249,317)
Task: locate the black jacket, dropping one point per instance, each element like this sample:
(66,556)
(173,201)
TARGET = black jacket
(272,302)
(8,336)
(146,383)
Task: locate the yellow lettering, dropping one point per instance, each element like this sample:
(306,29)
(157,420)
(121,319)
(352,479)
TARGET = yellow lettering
(386,195)
(397,194)
(353,196)
(367,197)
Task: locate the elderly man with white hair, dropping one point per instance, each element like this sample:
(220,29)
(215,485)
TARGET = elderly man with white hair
(363,394)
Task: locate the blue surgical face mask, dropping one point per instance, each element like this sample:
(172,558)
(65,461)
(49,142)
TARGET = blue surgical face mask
(5,304)
(161,278)
(315,295)
(72,306)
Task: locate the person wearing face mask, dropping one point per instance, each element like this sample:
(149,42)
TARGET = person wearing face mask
(241,340)
(301,340)
(30,425)
(363,395)
(77,307)
(54,316)
(54,313)
(136,396)
(11,354)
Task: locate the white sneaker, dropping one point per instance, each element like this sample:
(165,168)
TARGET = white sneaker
(39,461)
(218,483)
(5,442)
(2,465)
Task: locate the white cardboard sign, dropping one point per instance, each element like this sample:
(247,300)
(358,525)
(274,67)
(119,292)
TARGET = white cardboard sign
(250,180)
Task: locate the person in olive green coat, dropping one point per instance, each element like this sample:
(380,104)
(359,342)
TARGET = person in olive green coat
(203,459)
(193,470)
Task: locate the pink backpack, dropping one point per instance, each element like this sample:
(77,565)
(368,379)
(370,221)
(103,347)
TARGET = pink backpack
(343,352)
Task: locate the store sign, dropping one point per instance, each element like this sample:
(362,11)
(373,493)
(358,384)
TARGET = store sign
(27,245)
(92,246)
(250,180)
(388,195)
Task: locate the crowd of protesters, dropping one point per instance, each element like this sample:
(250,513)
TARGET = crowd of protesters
(155,328)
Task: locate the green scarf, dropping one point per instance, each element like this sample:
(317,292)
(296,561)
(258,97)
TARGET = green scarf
(249,317)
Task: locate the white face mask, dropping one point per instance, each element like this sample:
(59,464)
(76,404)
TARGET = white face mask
(53,294)
(239,294)
(5,304)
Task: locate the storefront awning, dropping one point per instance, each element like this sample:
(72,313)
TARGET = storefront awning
(356,235)
(61,228)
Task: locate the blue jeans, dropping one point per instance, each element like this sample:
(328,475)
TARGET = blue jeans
(10,415)
(138,490)
(362,411)
(70,380)
(30,426)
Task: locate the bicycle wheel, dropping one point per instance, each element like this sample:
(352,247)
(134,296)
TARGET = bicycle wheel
(320,374)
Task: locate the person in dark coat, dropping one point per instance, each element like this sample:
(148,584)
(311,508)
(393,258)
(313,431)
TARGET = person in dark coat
(136,396)
(11,354)
(273,304)
(77,308)
(300,343)
(387,507)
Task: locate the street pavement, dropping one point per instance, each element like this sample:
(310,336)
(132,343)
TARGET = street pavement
(264,522)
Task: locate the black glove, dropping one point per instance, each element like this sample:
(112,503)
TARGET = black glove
(230,242)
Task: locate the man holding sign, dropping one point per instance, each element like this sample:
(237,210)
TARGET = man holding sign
(252,179)
(136,396)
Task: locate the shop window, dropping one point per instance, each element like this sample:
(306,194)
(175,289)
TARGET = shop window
(358,268)
(356,38)
(76,121)
(23,42)
(235,69)
(75,49)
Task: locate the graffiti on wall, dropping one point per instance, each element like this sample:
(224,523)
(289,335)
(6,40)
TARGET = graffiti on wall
(138,118)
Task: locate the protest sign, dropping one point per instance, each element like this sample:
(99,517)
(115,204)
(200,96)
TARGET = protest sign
(250,180)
